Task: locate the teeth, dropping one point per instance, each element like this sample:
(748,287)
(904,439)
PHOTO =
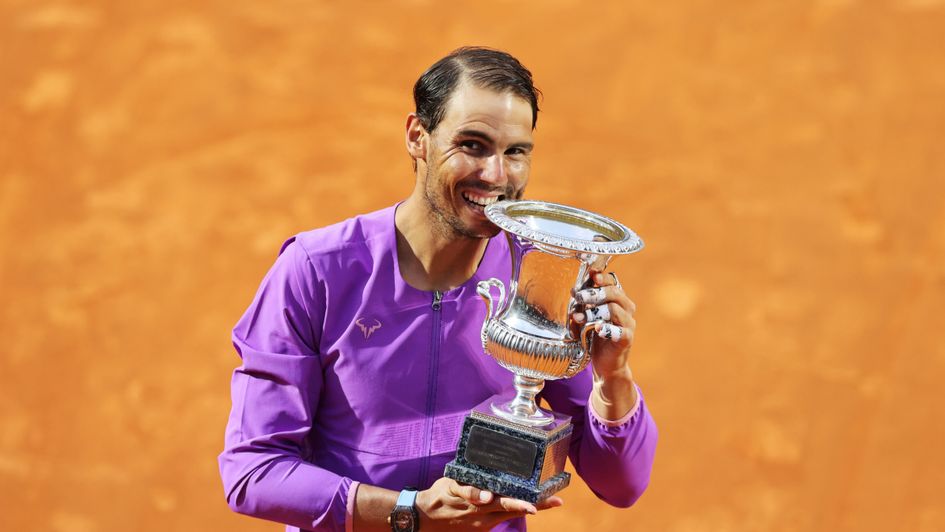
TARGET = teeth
(482,202)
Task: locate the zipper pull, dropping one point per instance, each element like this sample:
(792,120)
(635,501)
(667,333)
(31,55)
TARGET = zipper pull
(437,297)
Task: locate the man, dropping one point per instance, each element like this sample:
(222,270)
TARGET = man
(361,351)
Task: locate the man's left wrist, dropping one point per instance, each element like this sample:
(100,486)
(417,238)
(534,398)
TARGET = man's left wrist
(621,374)
(614,393)
(404,517)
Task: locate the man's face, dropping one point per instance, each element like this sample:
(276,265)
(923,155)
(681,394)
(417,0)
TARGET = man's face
(478,154)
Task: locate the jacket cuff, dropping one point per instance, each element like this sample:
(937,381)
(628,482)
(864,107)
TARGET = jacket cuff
(616,423)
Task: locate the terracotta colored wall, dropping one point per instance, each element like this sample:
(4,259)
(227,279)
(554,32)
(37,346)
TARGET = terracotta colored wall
(783,161)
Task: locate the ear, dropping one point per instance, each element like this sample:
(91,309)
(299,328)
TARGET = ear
(416,137)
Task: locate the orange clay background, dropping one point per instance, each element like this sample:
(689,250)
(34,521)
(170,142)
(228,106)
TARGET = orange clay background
(783,161)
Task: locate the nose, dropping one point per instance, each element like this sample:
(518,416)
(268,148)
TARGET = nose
(495,171)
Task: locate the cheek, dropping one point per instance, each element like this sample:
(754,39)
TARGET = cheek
(458,167)
(518,173)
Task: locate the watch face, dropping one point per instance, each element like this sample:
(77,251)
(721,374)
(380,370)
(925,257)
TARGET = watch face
(403,521)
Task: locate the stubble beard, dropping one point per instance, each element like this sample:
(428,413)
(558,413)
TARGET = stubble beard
(446,222)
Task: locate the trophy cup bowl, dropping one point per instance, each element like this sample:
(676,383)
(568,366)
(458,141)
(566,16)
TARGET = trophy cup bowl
(512,446)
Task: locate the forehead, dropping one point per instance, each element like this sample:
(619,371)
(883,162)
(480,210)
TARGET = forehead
(504,113)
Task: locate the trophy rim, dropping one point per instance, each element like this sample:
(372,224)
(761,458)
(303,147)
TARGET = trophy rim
(498,213)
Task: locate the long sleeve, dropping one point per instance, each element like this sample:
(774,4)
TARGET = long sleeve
(275,396)
(615,460)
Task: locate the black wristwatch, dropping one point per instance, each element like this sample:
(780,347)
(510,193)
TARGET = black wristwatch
(404,516)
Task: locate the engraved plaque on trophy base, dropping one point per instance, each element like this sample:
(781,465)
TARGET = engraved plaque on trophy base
(510,459)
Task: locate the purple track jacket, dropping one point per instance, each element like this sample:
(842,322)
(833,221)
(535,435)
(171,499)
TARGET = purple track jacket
(351,375)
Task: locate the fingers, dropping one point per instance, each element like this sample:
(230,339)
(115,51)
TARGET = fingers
(604,279)
(486,501)
(509,504)
(598,313)
(599,295)
(470,494)
(615,325)
(608,305)
(545,504)
(612,292)
(611,312)
(469,508)
(591,296)
(550,502)
(609,331)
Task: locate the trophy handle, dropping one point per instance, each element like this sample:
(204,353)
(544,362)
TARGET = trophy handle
(484,289)
(586,337)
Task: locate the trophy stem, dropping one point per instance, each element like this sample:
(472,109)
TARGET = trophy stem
(523,409)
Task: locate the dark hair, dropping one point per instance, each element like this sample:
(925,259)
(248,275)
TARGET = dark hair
(487,68)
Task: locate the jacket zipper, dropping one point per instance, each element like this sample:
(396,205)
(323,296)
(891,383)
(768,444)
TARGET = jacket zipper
(431,387)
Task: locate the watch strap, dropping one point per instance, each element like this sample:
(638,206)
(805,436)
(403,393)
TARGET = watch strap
(407,497)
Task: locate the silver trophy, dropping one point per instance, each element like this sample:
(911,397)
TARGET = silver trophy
(509,445)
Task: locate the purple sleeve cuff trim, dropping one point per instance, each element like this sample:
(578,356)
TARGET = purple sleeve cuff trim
(352,497)
(617,422)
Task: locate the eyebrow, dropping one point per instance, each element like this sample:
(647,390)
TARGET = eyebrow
(480,135)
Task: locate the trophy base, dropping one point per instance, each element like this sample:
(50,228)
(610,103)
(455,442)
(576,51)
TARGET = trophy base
(508,487)
(510,459)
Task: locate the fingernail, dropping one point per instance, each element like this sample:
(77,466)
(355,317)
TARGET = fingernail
(485,496)
(578,317)
(531,510)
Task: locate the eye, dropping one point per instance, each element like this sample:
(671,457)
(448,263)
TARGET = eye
(516,152)
(472,145)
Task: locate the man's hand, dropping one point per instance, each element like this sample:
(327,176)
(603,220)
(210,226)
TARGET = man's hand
(449,505)
(606,304)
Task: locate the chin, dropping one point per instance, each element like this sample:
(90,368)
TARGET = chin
(489,232)
(482,231)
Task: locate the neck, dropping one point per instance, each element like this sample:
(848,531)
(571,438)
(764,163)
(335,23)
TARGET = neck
(431,259)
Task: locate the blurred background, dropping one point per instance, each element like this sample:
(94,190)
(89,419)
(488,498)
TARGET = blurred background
(783,161)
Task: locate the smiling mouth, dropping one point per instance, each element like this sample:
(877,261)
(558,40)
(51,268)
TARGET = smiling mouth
(479,203)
